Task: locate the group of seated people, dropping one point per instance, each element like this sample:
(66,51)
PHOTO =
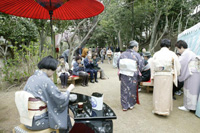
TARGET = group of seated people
(83,68)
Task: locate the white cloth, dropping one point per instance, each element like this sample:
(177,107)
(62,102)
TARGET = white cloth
(23,104)
(127,67)
(21,101)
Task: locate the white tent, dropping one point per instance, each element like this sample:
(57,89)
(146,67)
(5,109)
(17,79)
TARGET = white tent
(192,37)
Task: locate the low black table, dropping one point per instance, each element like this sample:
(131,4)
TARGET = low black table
(98,121)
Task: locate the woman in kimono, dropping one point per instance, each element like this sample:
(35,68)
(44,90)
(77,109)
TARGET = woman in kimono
(130,64)
(109,54)
(41,87)
(165,68)
(190,74)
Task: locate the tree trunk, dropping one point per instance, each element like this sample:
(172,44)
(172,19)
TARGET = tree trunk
(120,41)
(154,29)
(42,41)
(164,31)
(180,23)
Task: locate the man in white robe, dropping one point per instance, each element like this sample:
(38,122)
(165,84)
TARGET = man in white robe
(190,74)
(165,68)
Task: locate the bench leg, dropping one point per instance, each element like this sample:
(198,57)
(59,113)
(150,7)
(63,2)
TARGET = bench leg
(148,89)
(73,82)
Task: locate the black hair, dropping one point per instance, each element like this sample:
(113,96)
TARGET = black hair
(181,43)
(93,55)
(60,57)
(165,43)
(78,58)
(48,63)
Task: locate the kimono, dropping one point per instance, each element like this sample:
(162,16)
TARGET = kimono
(165,68)
(190,74)
(42,87)
(115,59)
(130,64)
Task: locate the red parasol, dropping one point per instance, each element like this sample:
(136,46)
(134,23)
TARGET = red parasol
(62,9)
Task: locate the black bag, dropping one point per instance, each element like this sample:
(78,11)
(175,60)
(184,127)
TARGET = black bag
(70,72)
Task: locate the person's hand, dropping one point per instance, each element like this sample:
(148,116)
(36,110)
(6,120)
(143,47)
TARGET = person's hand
(71,87)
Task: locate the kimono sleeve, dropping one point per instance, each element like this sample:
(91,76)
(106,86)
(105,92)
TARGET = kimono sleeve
(184,61)
(140,63)
(152,66)
(59,98)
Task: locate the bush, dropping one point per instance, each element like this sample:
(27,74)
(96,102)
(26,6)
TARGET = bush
(23,64)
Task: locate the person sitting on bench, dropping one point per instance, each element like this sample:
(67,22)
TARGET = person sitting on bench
(88,62)
(78,69)
(146,72)
(96,66)
(62,71)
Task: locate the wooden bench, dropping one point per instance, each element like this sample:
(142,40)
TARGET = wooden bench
(148,84)
(73,78)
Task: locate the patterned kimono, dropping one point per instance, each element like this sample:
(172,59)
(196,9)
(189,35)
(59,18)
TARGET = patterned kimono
(191,77)
(130,64)
(40,86)
(165,68)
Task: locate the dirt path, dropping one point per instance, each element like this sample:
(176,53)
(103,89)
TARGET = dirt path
(138,120)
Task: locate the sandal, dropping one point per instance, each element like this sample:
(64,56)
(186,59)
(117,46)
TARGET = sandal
(124,109)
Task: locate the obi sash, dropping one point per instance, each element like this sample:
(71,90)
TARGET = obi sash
(127,67)
(194,65)
(163,65)
(28,107)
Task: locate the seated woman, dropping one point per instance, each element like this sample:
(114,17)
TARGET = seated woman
(62,71)
(96,66)
(89,68)
(41,87)
(78,69)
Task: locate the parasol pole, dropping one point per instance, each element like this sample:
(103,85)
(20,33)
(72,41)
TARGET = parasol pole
(52,43)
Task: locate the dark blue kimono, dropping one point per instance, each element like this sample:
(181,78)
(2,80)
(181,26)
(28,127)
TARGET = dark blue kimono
(129,83)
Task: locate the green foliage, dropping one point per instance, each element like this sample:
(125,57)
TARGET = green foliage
(23,64)
(17,30)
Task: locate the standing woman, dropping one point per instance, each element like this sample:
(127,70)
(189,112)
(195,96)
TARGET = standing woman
(130,64)
(42,87)
(165,69)
(62,71)
(78,69)
(109,54)
(190,74)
